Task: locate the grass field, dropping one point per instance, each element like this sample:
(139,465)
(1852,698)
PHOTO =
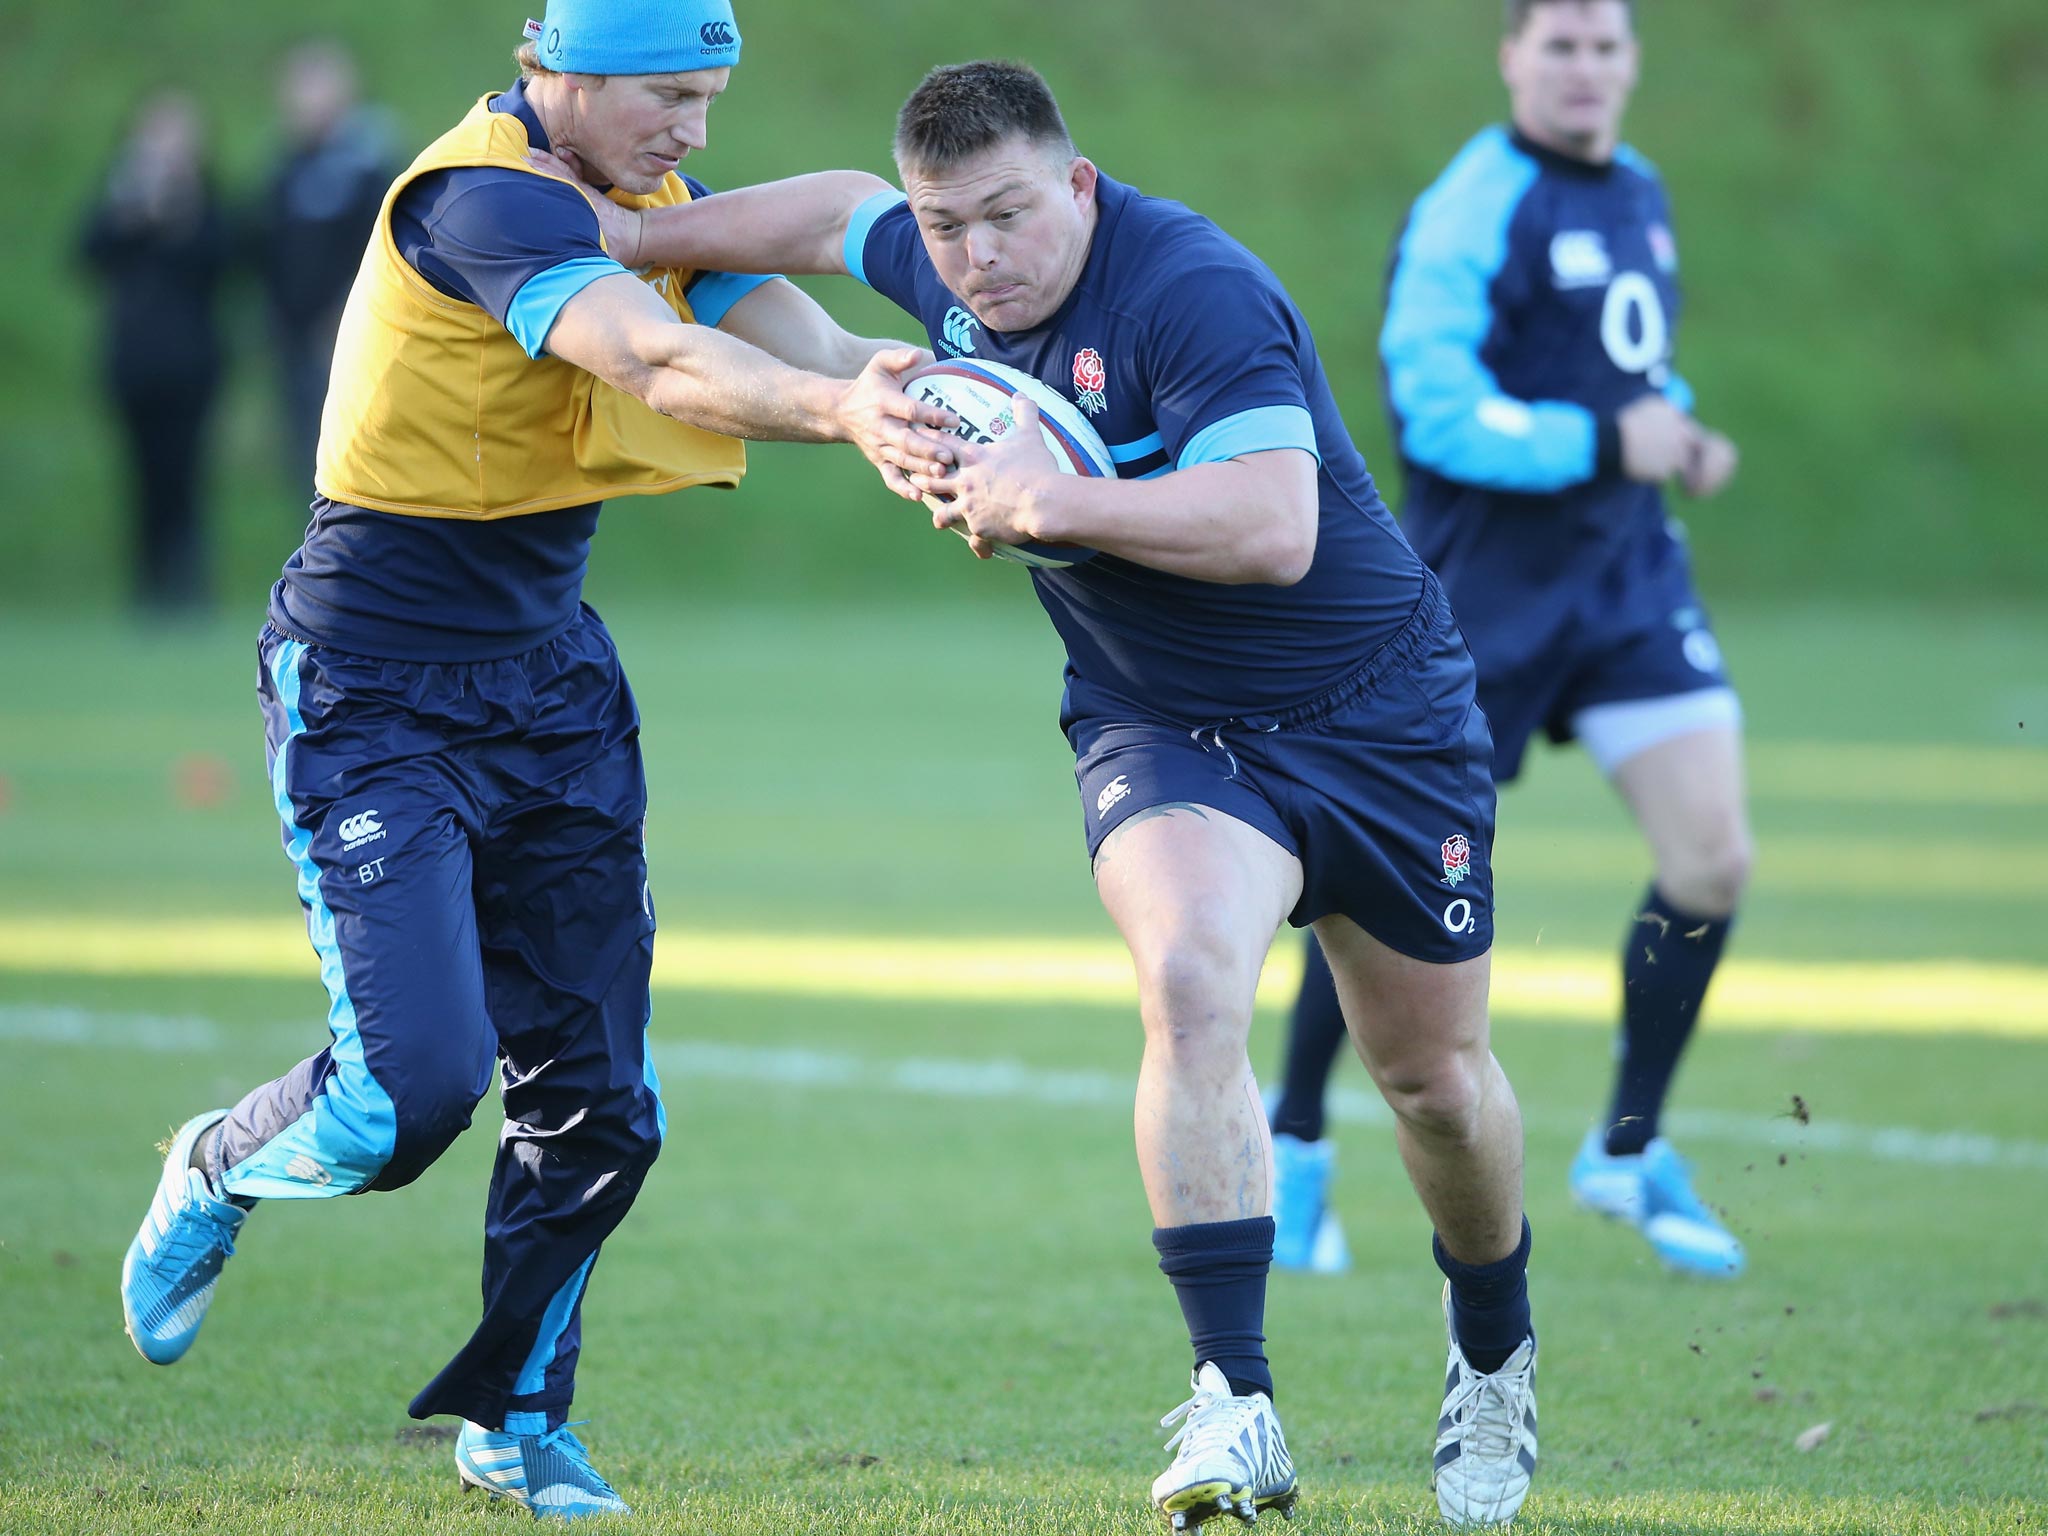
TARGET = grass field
(892,1273)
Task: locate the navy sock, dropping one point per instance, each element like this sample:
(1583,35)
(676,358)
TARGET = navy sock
(1218,1270)
(1489,1304)
(1669,959)
(1314,1036)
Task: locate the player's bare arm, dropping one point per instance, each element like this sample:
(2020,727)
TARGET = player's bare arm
(785,322)
(794,225)
(619,330)
(1248,519)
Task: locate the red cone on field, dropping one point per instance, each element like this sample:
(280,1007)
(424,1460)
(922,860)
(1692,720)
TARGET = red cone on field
(200,781)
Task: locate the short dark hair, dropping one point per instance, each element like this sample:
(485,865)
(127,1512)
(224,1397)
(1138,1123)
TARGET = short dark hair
(959,110)
(1518,11)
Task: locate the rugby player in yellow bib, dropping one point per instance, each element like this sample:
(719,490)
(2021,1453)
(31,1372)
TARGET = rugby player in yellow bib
(454,751)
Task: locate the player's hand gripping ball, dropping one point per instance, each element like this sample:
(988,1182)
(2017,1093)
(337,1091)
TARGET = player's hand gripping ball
(979,394)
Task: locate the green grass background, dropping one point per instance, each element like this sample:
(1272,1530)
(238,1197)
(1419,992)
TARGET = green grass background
(1852,180)
(856,1307)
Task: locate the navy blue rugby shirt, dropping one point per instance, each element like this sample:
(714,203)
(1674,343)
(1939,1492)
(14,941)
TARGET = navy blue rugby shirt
(1530,297)
(447,589)
(1203,357)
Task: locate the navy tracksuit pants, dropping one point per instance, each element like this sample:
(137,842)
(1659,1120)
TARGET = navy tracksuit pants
(468,839)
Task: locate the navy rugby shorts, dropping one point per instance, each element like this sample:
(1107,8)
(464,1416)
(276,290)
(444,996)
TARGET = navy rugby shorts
(1641,634)
(1674,653)
(1381,786)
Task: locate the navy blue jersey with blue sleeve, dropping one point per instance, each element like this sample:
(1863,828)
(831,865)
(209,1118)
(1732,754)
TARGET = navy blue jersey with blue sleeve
(1184,350)
(519,247)
(1530,298)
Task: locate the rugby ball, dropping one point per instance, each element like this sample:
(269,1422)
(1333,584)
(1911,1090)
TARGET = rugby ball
(979,393)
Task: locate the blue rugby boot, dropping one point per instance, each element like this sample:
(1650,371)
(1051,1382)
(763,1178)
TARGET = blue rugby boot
(168,1277)
(547,1470)
(1306,1233)
(1652,1191)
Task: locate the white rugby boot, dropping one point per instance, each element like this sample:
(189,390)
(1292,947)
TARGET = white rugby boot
(1485,1436)
(1232,1460)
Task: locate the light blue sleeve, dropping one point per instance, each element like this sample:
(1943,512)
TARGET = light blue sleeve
(1454,417)
(859,226)
(1258,430)
(1678,392)
(713,294)
(538,303)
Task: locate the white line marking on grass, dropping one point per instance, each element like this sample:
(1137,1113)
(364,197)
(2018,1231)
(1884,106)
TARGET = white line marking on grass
(1014,1082)
(931,1077)
(158,1034)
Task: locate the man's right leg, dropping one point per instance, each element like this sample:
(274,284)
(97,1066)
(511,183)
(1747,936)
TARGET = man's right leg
(384,872)
(1423,1033)
(1198,895)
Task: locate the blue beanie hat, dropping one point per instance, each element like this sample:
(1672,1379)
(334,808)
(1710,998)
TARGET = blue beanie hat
(637,37)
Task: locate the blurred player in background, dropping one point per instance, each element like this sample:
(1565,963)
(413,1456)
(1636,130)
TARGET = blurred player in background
(1531,314)
(1270,705)
(319,205)
(158,244)
(454,750)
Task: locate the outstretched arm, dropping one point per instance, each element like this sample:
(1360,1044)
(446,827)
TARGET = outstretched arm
(619,330)
(785,322)
(797,225)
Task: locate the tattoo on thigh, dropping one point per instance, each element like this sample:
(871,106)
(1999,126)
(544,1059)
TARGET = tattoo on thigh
(1150,813)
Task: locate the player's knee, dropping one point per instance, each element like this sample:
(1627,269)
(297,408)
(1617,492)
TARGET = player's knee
(1440,1097)
(430,1111)
(623,1130)
(644,1131)
(1196,994)
(1709,876)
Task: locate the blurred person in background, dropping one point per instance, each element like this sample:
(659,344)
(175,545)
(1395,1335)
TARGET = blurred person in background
(453,746)
(157,242)
(307,232)
(1532,309)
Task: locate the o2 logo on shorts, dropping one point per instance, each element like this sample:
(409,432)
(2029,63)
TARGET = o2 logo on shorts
(1702,651)
(1459,916)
